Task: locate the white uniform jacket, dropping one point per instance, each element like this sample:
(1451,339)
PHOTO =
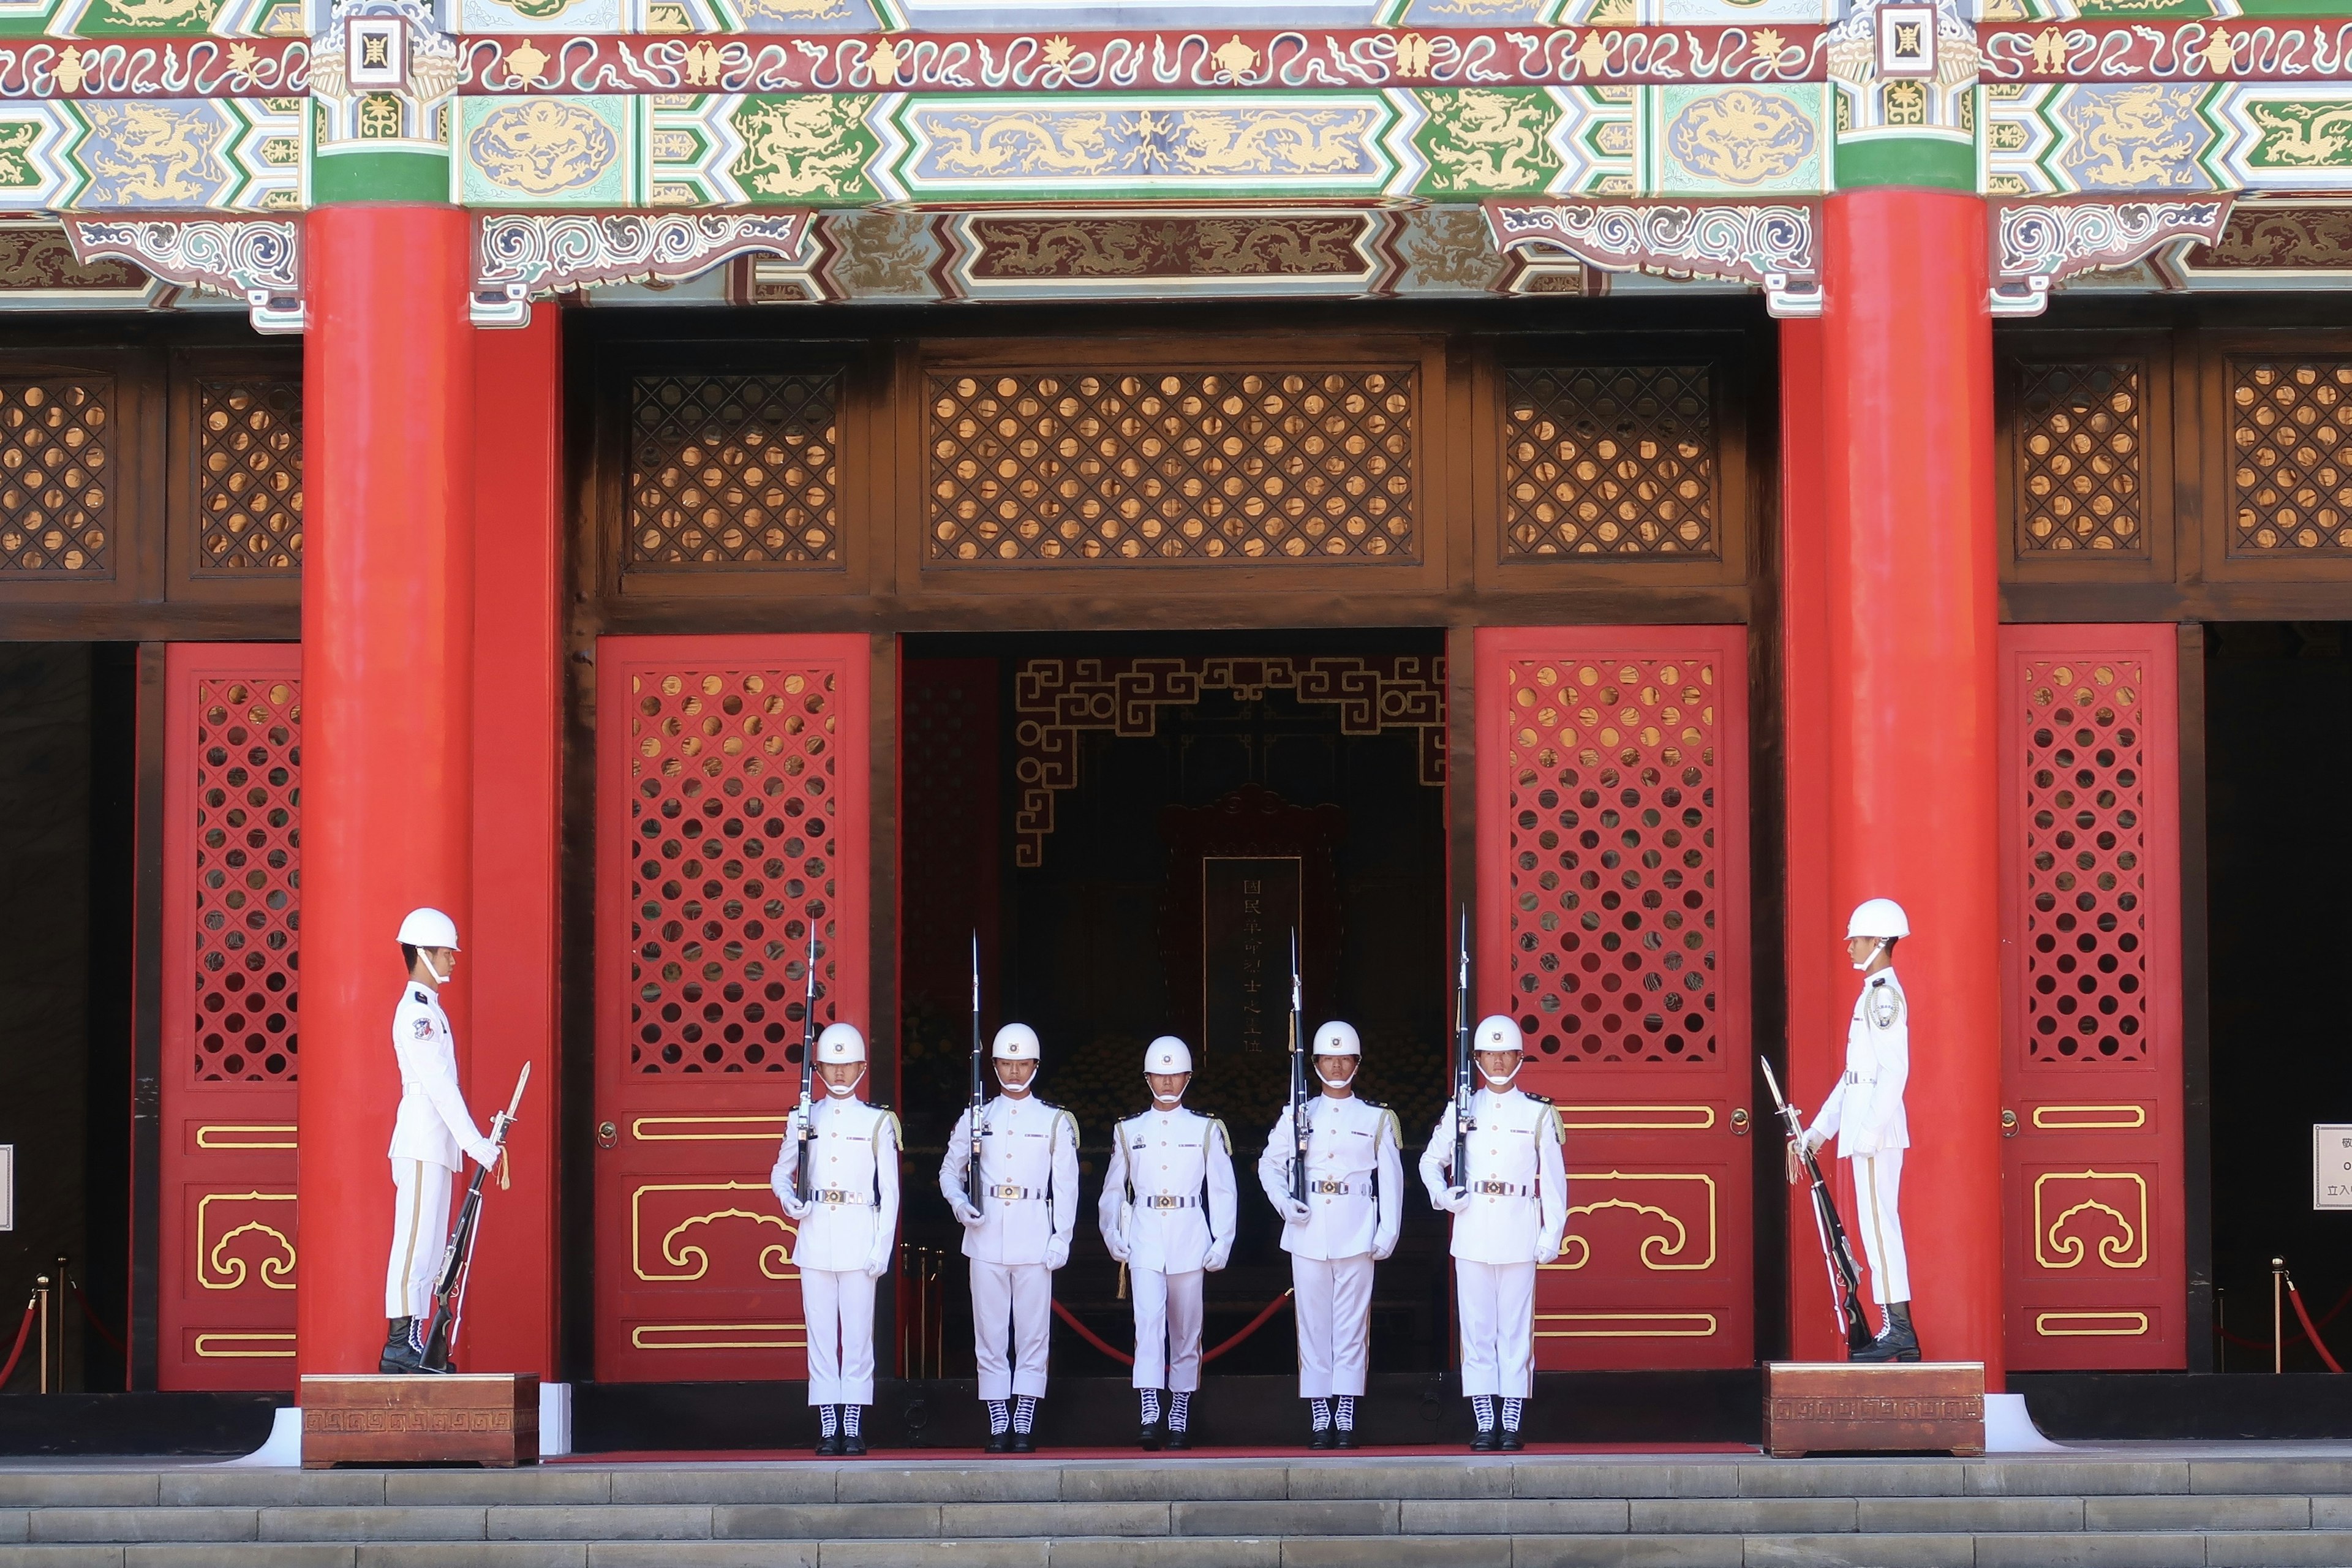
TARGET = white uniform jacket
(1517,1186)
(850,1218)
(1029,1174)
(1864,1112)
(433,1124)
(1168,1194)
(1355,1178)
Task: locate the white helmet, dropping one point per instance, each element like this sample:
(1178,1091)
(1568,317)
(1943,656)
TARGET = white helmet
(1881,918)
(1015,1043)
(1337,1039)
(841,1043)
(1499,1033)
(429,928)
(1167,1054)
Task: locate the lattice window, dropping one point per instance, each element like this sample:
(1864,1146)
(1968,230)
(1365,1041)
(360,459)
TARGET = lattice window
(734,804)
(734,470)
(1610,460)
(249,476)
(1614,822)
(2290,488)
(55,496)
(1254,465)
(2086,842)
(248,877)
(2078,458)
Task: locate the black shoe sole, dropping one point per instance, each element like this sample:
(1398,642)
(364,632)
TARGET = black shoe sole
(1320,1440)
(1511,1444)
(1343,1440)
(1000,1444)
(852,1447)
(829,1448)
(1178,1441)
(1020,1445)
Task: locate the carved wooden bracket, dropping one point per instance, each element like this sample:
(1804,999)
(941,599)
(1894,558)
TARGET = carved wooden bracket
(2038,244)
(1774,244)
(521,257)
(257,259)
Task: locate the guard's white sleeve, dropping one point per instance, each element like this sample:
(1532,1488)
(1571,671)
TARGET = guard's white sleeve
(1894,1053)
(1066,1176)
(1552,1189)
(1389,1154)
(1825,1123)
(1437,1160)
(1111,1213)
(956,1162)
(780,1178)
(1222,1197)
(424,1069)
(886,1188)
(1274,1165)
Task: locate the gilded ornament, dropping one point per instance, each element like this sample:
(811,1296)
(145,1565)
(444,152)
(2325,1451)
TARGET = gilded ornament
(379,117)
(1484,139)
(1412,55)
(150,16)
(1059,50)
(1741,137)
(2220,52)
(525,61)
(543,146)
(1234,58)
(1592,54)
(811,147)
(2302,135)
(71,74)
(151,154)
(2134,138)
(17,138)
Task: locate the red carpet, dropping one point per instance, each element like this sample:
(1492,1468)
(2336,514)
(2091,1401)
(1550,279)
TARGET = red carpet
(893,1455)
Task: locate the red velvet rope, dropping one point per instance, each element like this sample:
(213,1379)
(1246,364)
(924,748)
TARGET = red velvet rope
(1088,1334)
(2295,1296)
(2331,1315)
(91,1313)
(24,1332)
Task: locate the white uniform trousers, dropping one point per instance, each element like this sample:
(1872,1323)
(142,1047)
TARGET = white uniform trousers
(420,1234)
(839,1307)
(1168,1330)
(1333,1304)
(1497,1306)
(1015,1299)
(1877,1187)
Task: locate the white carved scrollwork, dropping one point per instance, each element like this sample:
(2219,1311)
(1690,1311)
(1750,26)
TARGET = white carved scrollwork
(520,256)
(256,259)
(2038,244)
(1770,244)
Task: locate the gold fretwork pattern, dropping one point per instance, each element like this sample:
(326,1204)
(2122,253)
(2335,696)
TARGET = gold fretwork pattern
(248,878)
(1029,466)
(732,806)
(2290,486)
(57,492)
(734,470)
(2086,920)
(2078,446)
(249,476)
(1610,460)
(1613,821)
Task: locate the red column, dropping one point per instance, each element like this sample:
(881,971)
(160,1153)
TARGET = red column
(387,646)
(518,793)
(1912,609)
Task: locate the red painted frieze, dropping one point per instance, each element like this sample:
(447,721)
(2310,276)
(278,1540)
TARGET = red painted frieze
(161,67)
(2281,49)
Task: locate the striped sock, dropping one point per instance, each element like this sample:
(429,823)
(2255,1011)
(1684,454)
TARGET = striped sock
(1484,1405)
(1151,1407)
(1179,1412)
(999,1417)
(1322,1415)
(826,1422)
(1024,1415)
(1512,1410)
(1344,1417)
(852,1416)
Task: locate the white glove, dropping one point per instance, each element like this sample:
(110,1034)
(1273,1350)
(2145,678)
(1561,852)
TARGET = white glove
(1218,1253)
(793,1208)
(1294,1212)
(1057,1252)
(484,1154)
(967,1216)
(1455,1200)
(878,1264)
(1381,1253)
(1115,1245)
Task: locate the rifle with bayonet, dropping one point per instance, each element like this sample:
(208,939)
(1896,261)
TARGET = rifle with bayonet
(1845,1278)
(1463,1123)
(808,1072)
(971,1186)
(1297,1080)
(457,1258)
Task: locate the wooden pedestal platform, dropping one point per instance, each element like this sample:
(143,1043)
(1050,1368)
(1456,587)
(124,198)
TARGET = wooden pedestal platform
(1932,1406)
(478,1418)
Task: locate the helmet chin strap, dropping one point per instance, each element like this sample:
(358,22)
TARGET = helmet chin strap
(1879,946)
(841,1091)
(1502,1082)
(1159,1098)
(425,956)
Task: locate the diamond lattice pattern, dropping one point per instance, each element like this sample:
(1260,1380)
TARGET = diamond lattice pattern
(1263,465)
(2078,470)
(2290,486)
(1610,460)
(1613,822)
(734,854)
(248,878)
(734,470)
(2085,846)
(56,501)
(249,476)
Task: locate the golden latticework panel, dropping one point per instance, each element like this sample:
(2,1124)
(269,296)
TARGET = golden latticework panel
(56,495)
(249,476)
(734,470)
(2290,488)
(1610,460)
(2079,452)
(1032,466)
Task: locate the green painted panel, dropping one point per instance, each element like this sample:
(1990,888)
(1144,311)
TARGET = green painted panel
(1906,161)
(379,177)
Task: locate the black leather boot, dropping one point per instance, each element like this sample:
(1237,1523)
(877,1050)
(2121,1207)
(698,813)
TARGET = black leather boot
(400,1354)
(1896,1341)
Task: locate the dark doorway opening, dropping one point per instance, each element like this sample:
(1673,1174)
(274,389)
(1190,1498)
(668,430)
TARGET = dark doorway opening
(1100,811)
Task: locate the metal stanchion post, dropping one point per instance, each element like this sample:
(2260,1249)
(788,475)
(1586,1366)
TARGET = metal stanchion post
(41,1327)
(2278,1339)
(65,1295)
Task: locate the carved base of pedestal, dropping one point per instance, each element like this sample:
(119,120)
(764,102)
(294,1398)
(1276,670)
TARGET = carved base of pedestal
(473,1418)
(1933,1406)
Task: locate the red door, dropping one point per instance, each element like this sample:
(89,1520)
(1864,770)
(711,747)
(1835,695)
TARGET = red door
(232,920)
(1612,923)
(731,812)
(2090,1120)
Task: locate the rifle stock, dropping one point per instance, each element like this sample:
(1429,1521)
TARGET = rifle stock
(1845,1276)
(971,1187)
(1462,1090)
(808,1070)
(1297,1081)
(458,1258)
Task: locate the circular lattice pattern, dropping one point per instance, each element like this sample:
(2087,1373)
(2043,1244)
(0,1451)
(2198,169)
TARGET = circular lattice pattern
(1610,460)
(733,469)
(733,856)
(249,476)
(2086,925)
(1174,465)
(1613,858)
(2079,458)
(248,878)
(54,503)
(2290,484)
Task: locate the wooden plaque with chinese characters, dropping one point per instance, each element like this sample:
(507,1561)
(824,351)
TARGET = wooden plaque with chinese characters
(1249,907)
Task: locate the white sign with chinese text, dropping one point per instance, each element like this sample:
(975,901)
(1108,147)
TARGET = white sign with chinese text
(2331,1167)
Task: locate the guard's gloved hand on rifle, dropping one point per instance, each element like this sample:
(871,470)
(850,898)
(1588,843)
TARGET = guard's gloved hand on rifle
(1455,1200)
(1057,1252)
(878,1263)
(1219,1251)
(967,1217)
(1296,1212)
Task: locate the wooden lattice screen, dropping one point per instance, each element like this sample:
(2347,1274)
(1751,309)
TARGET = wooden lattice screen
(232,923)
(56,480)
(248,475)
(1616,460)
(1612,898)
(2079,455)
(733,471)
(2290,486)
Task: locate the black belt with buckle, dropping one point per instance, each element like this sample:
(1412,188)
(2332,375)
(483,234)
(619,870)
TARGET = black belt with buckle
(1329,1187)
(1167,1201)
(1499,1189)
(1005,1192)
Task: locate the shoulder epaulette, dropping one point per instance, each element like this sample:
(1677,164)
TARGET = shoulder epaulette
(1538,1098)
(1375,1104)
(420,997)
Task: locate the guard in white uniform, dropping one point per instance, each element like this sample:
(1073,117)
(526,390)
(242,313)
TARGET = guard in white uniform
(431,1129)
(1168,1214)
(1510,1210)
(848,1224)
(1864,1114)
(1018,1237)
(1355,1177)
